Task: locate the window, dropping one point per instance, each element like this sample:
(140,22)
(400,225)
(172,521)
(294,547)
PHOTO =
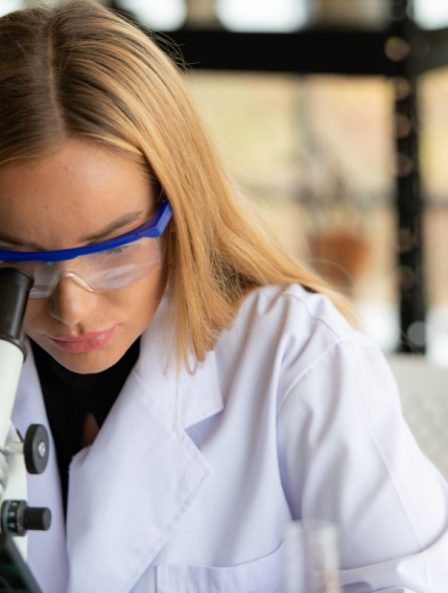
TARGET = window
(263,15)
(165,16)
(9,6)
(315,155)
(431,14)
(434,130)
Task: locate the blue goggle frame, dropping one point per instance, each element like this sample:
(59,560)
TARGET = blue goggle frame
(153,228)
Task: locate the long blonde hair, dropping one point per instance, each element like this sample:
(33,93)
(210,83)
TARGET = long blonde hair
(79,70)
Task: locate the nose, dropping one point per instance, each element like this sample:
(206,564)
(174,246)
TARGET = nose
(70,303)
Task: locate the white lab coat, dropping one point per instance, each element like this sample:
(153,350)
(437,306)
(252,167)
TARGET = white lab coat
(192,478)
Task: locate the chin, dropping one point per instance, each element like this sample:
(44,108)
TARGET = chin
(87,363)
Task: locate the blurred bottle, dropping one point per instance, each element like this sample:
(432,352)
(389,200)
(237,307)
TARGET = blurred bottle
(311,558)
(202,14)
(351,13)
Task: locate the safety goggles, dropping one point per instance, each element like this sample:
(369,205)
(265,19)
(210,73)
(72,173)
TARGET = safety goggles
(98,267)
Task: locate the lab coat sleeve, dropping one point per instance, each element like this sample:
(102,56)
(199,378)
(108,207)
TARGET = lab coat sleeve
(347,456)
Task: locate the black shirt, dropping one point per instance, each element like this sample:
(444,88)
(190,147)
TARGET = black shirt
(69,397)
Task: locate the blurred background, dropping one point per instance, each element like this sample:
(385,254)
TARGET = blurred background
(332,116)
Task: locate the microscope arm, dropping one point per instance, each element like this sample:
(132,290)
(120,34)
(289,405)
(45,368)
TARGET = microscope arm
(15,515)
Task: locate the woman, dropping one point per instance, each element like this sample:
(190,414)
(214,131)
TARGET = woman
(202,390)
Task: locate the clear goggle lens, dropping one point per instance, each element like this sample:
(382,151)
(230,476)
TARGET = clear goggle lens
(96,272)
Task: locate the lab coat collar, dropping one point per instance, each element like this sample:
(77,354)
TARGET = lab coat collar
(186,398)
(130,489)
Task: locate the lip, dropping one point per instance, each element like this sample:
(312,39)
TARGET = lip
(85,342)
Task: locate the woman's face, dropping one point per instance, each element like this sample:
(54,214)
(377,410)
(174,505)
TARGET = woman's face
(81,190)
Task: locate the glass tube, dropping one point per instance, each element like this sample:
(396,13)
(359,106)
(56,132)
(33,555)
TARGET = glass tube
(311,558)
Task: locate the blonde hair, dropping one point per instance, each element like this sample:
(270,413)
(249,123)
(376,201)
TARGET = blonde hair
(79,70)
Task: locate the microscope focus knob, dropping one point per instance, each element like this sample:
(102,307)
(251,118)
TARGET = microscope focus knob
(16,517)
(36,448)
(37,518)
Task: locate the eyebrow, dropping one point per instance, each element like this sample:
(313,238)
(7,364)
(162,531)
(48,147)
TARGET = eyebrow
(112,227)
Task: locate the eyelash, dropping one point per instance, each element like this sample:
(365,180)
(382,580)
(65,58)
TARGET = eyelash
(116,250)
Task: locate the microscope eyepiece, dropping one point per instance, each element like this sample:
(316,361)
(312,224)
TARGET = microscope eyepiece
(15,287)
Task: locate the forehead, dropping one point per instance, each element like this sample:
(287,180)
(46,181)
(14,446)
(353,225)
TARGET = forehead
(72,192)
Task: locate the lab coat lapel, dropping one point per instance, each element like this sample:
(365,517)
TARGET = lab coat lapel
(47,557)
(129,490)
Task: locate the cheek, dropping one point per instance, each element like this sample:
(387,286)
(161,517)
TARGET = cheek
(35,310)
(142,298)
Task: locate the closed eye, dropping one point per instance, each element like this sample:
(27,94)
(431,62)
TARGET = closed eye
(116,250)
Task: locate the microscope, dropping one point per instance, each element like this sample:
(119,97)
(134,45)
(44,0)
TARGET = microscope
(18,455)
